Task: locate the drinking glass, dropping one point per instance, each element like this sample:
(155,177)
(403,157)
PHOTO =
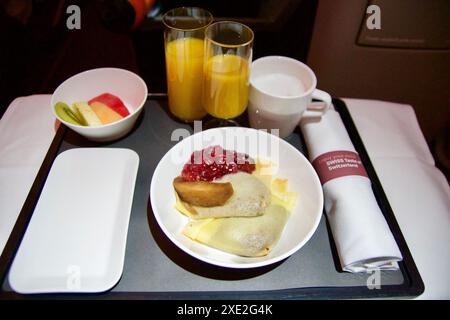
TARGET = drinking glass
(184,50)
(228,55)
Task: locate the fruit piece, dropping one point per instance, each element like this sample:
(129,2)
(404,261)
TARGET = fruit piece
(77,116)
(202,193)
(65,113)
(105,113)
(87,114)
(113,102)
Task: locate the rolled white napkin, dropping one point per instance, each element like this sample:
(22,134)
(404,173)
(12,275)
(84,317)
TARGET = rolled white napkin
(362,236)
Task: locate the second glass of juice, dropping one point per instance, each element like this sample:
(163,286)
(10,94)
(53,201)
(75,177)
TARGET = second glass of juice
(228,55)
(184,49)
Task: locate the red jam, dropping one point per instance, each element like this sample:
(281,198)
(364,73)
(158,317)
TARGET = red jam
(214,162)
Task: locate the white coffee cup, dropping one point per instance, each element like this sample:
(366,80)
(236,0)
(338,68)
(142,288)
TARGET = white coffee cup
(281,91)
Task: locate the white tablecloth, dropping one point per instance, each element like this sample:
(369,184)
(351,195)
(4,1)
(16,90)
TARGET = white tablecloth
(26,132)
(418,192)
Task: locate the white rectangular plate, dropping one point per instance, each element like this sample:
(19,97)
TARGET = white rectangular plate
(76,238)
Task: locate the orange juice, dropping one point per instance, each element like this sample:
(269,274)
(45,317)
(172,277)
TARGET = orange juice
(184,66)
(226,86)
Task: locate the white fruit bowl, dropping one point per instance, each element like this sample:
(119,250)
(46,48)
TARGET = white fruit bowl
(126,85)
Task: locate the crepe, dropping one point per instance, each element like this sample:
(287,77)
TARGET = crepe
(246,236)
(243,236)
(250,198)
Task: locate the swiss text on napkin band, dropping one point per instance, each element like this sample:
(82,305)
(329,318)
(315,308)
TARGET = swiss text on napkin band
(336,164)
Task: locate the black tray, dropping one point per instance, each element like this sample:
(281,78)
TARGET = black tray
(155,268)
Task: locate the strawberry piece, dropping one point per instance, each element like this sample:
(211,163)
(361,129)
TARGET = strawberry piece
(113,102)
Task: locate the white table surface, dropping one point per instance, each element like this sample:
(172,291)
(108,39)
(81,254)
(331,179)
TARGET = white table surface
(417,191)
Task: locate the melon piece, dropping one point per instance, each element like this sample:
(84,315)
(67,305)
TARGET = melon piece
(87,114)
(105,113)
(113,102)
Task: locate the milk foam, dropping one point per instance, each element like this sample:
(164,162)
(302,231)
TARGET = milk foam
(279,84)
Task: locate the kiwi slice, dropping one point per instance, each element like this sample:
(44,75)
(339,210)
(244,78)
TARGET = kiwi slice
(65,113)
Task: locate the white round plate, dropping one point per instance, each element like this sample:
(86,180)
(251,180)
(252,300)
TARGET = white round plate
(292,165)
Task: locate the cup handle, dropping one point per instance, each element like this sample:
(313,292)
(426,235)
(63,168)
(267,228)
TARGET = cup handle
(318,109)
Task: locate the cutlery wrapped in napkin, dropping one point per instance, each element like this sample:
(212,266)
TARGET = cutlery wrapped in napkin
(362,236)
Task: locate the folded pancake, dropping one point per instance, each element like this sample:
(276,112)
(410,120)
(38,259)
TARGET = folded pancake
(250,198)
(243,236)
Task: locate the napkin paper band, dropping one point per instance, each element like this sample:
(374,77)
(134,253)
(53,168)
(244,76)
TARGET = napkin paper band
(336,164)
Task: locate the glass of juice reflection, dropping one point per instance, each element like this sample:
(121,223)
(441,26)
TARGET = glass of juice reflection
(184,50)
(228,55)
